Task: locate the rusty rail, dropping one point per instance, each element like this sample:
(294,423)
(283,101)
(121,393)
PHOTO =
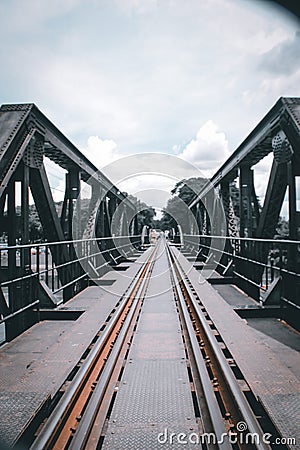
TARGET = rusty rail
(71,421)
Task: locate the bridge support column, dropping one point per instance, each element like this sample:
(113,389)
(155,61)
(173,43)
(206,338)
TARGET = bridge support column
(135,225)
(199,218)
(293,216)
(72,195)
(13,292)
(246,194)
(21,293)
(134,232)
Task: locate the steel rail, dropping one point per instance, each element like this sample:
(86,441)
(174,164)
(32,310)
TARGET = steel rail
(60,413)
(210,398)
(82,433)
(240,400)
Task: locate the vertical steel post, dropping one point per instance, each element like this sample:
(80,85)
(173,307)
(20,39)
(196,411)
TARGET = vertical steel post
(26,319)
(293,229)
(12,330)
(225,195)
(246,190)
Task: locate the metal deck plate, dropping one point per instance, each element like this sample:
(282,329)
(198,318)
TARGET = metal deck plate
(151,437)
(13,407)
(289,417)
(154,393)
(270,379)
(36,363)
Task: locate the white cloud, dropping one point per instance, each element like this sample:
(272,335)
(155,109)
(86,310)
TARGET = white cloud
(153,189)
(32,15)
(150,176)
(209,150)
(144,73)
(283,58)
(58,192)
(101,152)
(265,40)
(261,175)
(137,6)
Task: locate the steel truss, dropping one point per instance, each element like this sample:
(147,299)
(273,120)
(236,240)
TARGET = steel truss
(27,137)
(277,133)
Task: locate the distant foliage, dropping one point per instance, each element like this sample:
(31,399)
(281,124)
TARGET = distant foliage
(282,230)
(184,191)
(145,214)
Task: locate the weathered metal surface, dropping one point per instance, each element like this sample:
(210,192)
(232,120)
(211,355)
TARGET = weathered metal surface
(14,407)
(259,142)
(269,378)
(27,136)
(277,134)
(154,393)
(36,363)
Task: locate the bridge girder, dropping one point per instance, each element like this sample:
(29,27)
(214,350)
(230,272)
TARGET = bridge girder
(282,125)
(277,133)
(27,137)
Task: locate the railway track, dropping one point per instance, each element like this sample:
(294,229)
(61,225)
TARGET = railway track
(223,402)
(78,418)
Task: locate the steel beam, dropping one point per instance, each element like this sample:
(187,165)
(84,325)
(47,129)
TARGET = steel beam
(246,191)
(273,201)
(43,199)
(285,113)
(16,121)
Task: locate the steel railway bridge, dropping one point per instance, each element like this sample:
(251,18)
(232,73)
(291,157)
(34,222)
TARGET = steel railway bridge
(111,340)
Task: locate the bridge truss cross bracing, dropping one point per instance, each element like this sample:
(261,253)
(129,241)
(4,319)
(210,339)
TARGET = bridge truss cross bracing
(251,233)
(34,276)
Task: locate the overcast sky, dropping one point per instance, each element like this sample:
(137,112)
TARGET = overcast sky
(120,77)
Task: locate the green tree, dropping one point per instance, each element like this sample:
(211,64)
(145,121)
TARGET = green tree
(188,189)
(282,230)
(36,233)
(183,193)
(145,215)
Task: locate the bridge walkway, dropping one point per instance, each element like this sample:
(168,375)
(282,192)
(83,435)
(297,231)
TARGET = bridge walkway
(35,366)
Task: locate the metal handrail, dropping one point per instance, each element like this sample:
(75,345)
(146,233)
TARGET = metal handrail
(59,266)
(237,238)
(43,244)
(242,258)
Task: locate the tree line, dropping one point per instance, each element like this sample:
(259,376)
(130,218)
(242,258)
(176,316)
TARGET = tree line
(184,191)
